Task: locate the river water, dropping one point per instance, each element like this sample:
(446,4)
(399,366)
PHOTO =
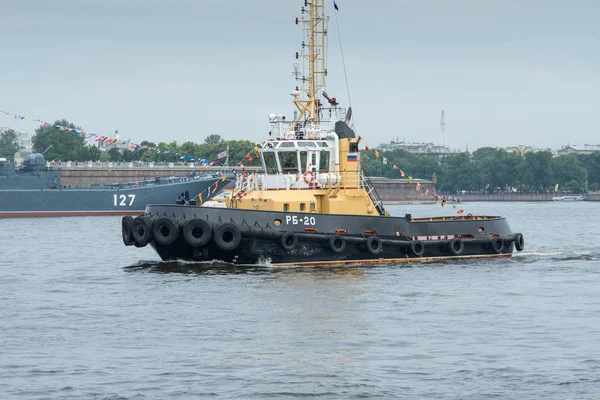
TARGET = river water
(84,317)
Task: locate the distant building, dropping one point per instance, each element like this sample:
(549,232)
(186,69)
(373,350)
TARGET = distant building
(419,149)
(520,149)
(585,149)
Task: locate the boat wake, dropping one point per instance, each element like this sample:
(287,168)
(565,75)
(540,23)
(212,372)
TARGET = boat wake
(536,256)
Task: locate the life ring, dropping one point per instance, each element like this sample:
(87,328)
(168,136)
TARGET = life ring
(126,231)
(165,231)
(288,240)
(141,230)
(227,236)
(497,245)
(337,244)
(308,177)
(519,241)
(456,246)
(197,232)
(417,248)
(374,245)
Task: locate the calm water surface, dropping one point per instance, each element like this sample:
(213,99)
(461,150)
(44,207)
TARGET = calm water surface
(84,317)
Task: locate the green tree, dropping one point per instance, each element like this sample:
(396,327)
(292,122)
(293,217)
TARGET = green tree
(9,143)
(104,156)
(148,156)
(61,144)
(569,173)
(213,139)
(591,163)
(538,171)
(127,155)
(458,173)
(114,154)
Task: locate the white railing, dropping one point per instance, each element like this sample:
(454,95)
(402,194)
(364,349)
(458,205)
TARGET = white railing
(326,180)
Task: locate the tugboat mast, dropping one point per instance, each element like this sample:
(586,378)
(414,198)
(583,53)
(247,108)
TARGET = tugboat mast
(313,53)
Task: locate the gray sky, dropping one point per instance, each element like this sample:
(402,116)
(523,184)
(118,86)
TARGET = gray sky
(506,72)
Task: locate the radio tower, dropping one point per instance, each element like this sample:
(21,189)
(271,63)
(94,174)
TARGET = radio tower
(443,128)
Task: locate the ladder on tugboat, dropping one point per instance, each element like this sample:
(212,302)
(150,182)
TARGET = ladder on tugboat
(373,195)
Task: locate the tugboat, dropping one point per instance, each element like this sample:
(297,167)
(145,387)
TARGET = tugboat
(311,205)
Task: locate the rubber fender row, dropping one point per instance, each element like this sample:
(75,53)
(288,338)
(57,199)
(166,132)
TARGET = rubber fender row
(165,231)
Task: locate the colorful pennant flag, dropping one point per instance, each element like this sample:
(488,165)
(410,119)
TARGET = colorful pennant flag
(222,154)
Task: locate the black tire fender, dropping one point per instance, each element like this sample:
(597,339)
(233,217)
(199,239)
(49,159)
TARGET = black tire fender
(519,241)
(227,236)
(456,246)
(197,232)
(165,231)
(127,231)
(337,244)
(141,229)
(417,247)
(374,245)
(288,240)
(497,245)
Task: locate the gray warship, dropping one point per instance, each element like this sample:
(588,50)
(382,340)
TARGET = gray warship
(35,190)
(311,205)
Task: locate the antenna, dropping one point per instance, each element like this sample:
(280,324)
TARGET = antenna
(296,73)
(443,127)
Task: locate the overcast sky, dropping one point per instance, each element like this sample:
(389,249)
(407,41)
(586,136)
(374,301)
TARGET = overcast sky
(506,72)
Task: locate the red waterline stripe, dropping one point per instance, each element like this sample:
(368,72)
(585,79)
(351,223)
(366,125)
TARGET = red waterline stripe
(27,214)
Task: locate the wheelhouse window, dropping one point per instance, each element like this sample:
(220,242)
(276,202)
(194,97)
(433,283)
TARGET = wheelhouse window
(324,161)
(303,166)
(289,161)
(270,162)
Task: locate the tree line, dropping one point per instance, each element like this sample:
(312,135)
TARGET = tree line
(61,145)
(493,170)
(485,170)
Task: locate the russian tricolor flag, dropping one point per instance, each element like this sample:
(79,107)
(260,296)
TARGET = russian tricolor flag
(352,157)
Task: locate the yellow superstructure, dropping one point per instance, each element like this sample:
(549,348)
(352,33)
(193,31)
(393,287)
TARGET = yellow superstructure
(311,164)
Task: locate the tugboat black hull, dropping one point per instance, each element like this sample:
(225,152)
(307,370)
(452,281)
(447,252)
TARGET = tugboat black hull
(245,237)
